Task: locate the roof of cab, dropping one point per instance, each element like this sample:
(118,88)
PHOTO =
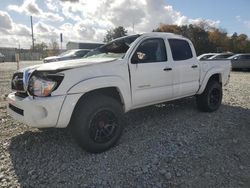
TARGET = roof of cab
(161,34)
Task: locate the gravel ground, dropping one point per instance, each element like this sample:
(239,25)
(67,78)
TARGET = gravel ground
(168,145)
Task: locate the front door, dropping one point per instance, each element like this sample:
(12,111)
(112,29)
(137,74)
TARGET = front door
(151,73)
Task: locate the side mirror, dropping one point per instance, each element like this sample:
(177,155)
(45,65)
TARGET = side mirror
(138,57)
(134,59)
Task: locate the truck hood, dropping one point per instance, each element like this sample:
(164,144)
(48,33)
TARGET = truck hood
(70,64)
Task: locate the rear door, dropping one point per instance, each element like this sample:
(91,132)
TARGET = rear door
(151,72)
(185,68)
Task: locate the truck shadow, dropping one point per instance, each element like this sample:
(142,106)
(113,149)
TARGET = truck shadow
(51,157)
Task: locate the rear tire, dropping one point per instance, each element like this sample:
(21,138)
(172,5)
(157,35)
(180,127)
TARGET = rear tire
(97,123)
(210,99)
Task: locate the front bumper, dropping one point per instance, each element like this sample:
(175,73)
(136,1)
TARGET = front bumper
(40,112)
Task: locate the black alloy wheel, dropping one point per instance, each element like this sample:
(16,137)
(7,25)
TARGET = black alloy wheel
(103,126)
(214,97)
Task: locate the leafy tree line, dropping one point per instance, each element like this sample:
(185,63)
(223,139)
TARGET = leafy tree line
(205,38)
(47,50)
(209,39)
(115,33)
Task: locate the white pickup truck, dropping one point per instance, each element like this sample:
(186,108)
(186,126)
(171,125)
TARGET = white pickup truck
(91,95)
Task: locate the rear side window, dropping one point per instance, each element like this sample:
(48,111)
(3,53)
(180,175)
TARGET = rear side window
(180,49)
(245,57)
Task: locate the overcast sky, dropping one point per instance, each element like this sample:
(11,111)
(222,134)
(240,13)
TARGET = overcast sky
(88,20)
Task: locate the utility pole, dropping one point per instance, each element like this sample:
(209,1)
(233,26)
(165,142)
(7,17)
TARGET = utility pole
(32,33)
(61,39)
(17,55)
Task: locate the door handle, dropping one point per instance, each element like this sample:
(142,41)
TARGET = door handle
(194,66)
(167,69)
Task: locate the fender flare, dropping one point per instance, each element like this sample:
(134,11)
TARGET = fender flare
(207,76)
(100,82)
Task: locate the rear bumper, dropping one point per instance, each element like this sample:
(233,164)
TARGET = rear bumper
(40,112)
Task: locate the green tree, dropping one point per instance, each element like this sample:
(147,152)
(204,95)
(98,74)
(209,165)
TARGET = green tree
(53,48)
(233,42)
(219,40)
(242,43)
(41,48)
(168,28)
(209,39)
(115,33)
(196,34)
(199,38)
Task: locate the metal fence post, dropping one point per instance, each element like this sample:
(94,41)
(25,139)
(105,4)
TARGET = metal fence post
(17,61)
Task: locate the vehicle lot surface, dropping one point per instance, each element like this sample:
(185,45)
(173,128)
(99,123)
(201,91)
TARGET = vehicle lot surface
(167,145)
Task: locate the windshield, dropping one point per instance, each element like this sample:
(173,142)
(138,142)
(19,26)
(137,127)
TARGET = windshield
(115,49)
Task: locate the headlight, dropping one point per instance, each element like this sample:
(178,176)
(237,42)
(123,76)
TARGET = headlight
(43,84)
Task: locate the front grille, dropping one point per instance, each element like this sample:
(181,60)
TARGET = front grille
(15,109)
(17,82)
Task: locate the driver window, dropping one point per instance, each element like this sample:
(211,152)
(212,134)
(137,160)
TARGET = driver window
(150,50)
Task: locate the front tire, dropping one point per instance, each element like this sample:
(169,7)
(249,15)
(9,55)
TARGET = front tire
(210,99)
(97,123)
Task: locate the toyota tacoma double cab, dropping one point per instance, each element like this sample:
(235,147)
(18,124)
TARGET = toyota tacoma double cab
(90,95)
